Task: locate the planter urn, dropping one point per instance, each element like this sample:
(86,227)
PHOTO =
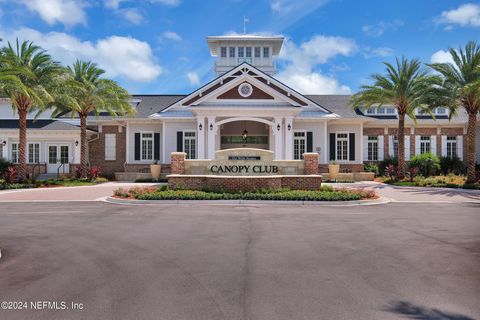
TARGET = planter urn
(333,170)
(155,171)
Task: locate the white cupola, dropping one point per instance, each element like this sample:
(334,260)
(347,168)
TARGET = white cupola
(257,50)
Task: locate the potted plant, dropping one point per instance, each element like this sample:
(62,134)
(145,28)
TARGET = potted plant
(333,170)
(155,169)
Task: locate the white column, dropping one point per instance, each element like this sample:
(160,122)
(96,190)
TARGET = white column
(326,140)
(277,132)
(288,138)
(164,130)
(201,137)
(212,130)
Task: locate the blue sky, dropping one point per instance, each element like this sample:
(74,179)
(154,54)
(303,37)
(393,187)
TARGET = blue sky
(158,46)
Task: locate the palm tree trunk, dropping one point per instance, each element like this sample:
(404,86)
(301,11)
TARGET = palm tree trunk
(83,146)
(22,145)
(471,136)
(401,146)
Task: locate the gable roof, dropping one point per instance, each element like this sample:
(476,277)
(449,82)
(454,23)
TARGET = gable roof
(257,76)
(337,104)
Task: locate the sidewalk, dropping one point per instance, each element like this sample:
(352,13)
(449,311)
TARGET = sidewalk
(99,192)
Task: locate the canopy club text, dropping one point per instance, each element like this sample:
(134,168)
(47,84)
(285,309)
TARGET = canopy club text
(244,169)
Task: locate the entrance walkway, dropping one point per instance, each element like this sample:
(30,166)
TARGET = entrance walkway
(99,192)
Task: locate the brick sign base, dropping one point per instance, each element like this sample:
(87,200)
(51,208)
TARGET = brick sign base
(243,183)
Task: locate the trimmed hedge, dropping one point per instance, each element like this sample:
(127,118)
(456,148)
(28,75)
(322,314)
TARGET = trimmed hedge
(324,194)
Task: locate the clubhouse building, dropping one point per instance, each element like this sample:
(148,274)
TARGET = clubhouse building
(245,106)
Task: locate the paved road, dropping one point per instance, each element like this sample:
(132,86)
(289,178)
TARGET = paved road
(395,261)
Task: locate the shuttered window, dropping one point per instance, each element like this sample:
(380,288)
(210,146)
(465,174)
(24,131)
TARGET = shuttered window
(110,146)
(342,146)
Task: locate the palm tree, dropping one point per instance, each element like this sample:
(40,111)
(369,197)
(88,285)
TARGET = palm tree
(405,86)
(28,76)
(460,88)
(84,92)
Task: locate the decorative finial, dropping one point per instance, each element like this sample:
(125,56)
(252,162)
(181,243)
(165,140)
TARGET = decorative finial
(245,20)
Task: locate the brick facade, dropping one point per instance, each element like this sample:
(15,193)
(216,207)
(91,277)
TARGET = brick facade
(96,150)
(233,183)
(178,162)
(310,161)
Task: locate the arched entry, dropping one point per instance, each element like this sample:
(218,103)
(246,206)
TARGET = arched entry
(244,133)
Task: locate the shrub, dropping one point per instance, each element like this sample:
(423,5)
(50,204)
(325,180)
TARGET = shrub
(452,165)
(385,163)
(100,180)
(412,172)
(427,163)
(10,175)
(391,171)
(4,165)
(94,173)
(371,167)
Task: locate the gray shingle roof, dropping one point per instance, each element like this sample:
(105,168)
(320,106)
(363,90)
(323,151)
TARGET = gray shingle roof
(337,104)
(40,124)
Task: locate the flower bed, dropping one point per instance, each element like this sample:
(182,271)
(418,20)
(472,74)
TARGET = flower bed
(324,194)
(448,181)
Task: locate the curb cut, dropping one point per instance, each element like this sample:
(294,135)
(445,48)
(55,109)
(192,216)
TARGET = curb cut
(378,201)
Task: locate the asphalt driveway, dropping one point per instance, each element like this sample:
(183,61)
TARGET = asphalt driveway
(395,261)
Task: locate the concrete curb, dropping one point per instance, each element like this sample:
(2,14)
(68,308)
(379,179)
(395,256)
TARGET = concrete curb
(378,201)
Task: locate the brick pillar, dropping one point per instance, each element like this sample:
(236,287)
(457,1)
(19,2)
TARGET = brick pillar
(310,163)
(178,162)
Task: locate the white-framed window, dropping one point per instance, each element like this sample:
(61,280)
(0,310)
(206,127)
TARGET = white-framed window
(438,111)
(146,146)
(425,144)
(110,146)
(341,146)
(395,146)
(266,52)
(232,52)
(14,153)
(33,152)
(452,147)
(383,110)
(248,52)
(299,144)
(257,52)
(372,148)
(241,52)
(190,144)
(223,52)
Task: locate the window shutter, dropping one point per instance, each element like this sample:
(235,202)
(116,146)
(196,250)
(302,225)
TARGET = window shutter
(380,148)
(390,147)
(460,147)
(137,145)
(433,145)
(332,146)
(156,146)
(351,140)
(309,141)
(179,141)
(444,146)
(407,148)
(365,148)
(417,145)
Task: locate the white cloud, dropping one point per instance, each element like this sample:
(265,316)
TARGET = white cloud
(441,57)
(301,71)
(378,29)
(193,78)
(172,36)
(120,56)
(467,14)
(112,4)
(132,15)
(369,52)
(67,12)
(167,2)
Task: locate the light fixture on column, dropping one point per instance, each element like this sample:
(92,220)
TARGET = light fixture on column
(289,127)
(211,127)
(200,127)
(4,142)
(278,127)
(76,143)
(245,132)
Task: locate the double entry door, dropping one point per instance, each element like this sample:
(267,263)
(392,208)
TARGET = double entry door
(58,158)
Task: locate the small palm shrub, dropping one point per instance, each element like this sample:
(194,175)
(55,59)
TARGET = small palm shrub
(427,163)
(452,165)
(371,167)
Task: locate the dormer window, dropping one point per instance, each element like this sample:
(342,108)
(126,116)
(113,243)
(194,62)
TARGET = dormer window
(379,111)
(232,52)
(257,52)
(266,52)
(223,52)
(438,111)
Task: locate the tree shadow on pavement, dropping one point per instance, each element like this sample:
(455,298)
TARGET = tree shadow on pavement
(412,311)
